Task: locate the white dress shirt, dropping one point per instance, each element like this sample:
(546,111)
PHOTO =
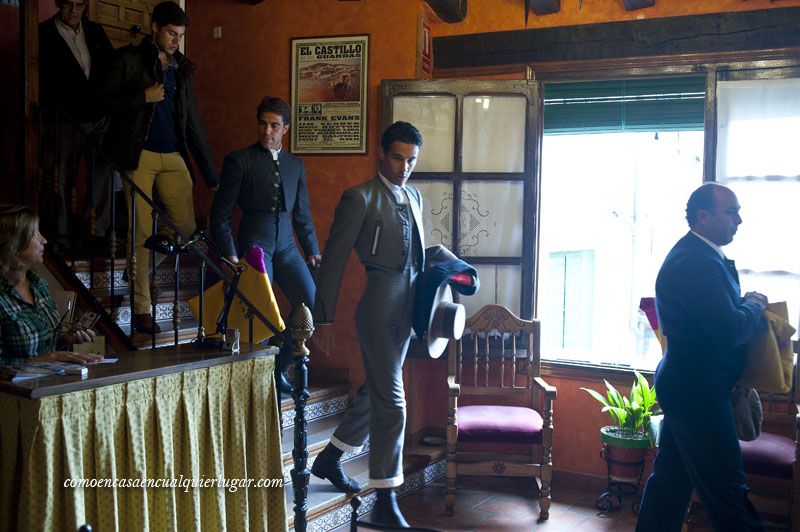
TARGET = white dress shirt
(710,243)
(399,192)
(76,40)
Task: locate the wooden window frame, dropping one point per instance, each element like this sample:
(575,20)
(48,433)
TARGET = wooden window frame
(762,64)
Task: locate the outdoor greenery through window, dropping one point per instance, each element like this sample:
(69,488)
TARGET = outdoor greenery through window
(619,160)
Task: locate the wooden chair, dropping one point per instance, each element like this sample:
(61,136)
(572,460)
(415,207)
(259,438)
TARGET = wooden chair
(500,412)
(772,461)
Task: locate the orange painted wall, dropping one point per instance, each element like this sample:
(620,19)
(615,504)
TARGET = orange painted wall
(251,60)
(500,15)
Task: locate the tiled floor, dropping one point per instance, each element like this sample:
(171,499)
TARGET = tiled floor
(507,503)
(484,504)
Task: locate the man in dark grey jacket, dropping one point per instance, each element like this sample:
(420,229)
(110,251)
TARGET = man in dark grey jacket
(154,124)
(269,184)
(73,54)
(382,221)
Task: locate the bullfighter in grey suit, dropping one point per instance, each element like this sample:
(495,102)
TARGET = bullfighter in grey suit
(381,219)
(269,185)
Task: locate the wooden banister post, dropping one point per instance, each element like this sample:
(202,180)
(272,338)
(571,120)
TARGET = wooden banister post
(301,327)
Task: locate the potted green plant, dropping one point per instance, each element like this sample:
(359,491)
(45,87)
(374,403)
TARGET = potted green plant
(626,444)
(630,415)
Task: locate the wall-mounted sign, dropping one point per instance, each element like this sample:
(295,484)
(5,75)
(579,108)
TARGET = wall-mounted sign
(329,94)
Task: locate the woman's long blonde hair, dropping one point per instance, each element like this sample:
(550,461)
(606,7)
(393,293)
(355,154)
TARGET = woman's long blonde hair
(18,224)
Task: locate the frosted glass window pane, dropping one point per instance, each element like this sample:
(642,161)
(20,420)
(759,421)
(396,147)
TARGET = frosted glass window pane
(437,211)
(435,117)
(491,218)
(494,134)
(500,285)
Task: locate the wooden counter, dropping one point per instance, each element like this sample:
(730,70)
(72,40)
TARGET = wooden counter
(171,414)
(133,365)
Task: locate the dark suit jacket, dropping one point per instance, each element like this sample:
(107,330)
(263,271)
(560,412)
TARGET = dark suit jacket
(248,178)
(701,313)
(63,86)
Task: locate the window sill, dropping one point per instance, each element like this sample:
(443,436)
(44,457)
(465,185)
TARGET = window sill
(616,375)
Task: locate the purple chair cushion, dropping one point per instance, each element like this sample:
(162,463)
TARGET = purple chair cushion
(769,455)
(498,424)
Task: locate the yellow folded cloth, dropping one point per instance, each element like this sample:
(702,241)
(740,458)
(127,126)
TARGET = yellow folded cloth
(769,362)
(254,283)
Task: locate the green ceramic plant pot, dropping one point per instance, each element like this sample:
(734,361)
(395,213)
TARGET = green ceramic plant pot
(625,453)
(617,437)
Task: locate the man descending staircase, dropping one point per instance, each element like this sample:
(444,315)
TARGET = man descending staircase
(328,507)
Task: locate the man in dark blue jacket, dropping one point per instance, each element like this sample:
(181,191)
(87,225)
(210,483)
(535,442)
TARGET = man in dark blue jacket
(269,184)
(707,325)
(154,124)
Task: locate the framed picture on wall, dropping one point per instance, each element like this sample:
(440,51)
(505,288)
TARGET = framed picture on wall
(329,94)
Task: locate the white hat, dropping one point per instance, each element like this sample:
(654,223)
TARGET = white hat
(446,321)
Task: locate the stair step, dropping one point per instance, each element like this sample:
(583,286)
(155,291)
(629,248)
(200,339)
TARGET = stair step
(323,498)
(326,398)
(329,509)
(319,434)
(164,313)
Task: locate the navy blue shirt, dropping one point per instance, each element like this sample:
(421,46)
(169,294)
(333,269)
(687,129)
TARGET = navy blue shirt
(161,136)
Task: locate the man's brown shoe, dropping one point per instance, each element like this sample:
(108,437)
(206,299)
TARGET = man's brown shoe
(144,323)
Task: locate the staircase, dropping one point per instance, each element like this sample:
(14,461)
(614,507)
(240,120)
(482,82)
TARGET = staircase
(328,509)
(95,276)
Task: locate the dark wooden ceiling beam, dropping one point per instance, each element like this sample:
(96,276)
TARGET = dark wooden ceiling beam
(721,32)
(449,10)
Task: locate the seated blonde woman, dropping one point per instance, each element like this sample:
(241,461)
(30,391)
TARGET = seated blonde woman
(30,328)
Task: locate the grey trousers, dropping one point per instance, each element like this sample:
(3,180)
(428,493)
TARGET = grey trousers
(383,323)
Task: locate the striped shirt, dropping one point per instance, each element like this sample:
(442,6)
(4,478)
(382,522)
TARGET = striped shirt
(26,330)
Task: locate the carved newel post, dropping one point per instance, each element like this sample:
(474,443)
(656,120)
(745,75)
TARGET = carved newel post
(301,325)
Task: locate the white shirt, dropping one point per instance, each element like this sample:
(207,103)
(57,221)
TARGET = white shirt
(275,153)
(710,243)
(399,192)
(76,41)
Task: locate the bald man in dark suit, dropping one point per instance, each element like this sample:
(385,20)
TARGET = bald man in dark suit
(707,325)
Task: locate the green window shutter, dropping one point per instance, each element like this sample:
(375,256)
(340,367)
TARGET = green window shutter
(658,104)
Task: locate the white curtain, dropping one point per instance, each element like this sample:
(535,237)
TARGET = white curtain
(758,156)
